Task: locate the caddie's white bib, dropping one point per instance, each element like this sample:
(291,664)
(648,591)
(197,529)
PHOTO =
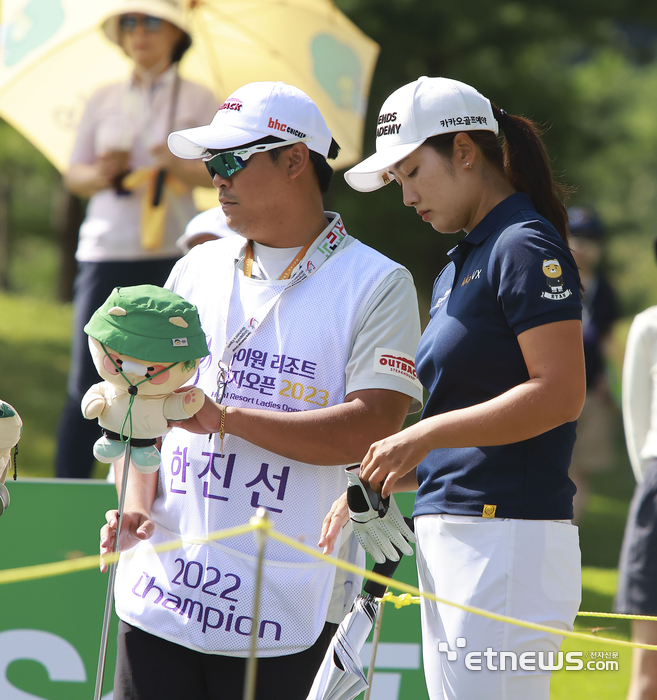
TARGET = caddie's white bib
(201,596)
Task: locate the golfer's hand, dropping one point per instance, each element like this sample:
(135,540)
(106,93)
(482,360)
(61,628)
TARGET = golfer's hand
(390,459)
(335,520)
(134,528)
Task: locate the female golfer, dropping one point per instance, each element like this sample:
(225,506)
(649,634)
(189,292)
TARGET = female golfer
(503,363)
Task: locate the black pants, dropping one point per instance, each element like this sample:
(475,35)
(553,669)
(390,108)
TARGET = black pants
(637,568)
(151,668)
(93,284)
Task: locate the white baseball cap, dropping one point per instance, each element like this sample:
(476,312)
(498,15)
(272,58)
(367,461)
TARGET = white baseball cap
(252,112)
(211,221)
(424,108)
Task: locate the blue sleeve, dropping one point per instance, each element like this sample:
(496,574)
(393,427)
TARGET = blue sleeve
(536,276)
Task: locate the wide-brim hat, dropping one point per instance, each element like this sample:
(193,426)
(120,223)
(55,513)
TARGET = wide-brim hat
(415,112)
(173,11)
(149,323)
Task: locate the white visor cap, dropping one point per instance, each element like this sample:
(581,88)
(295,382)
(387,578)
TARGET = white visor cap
(252,112)
(413,113)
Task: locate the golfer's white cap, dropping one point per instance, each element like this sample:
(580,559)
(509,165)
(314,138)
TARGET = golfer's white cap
(424,108)
(252,112)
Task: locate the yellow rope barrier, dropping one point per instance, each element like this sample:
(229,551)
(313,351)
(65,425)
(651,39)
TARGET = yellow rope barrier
(620,616)
(406,599)
(468,608)
(30,573)
(410,595)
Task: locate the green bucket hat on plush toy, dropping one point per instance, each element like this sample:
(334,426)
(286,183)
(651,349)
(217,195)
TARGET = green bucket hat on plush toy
(149,323)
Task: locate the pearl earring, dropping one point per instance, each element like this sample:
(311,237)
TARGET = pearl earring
(467,165)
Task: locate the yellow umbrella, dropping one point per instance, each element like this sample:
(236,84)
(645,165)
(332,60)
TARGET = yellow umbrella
(54,56)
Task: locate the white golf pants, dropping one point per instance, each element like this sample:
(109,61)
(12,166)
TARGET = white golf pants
(526,569)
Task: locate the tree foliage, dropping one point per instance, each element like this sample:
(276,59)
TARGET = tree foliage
(585,71)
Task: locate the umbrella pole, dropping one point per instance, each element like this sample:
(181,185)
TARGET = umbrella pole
(252,663)
(375,645)
(100,673)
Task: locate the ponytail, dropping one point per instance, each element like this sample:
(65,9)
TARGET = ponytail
(527,166)
(523,159)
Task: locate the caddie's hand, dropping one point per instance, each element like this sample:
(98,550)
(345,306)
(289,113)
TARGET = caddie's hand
(205,421)
(390,459)
(134,528)
(378,524)
(335,520)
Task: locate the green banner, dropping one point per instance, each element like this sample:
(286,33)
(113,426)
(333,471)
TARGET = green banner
(50,628)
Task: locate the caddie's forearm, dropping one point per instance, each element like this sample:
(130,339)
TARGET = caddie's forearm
(339,434)
(141,489)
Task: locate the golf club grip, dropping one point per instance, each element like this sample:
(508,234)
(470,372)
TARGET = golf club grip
(388,569)
(159,186)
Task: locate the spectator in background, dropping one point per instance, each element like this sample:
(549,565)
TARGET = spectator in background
(206,226)
(637,569)
(123,129)
(595,427)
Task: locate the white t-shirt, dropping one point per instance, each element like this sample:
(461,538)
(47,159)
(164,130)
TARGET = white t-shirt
(134,117)
(640,391)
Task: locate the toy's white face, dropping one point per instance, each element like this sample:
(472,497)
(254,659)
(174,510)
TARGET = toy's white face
(162,378)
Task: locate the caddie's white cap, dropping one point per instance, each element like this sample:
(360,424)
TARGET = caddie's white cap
(252,112)
(424,108)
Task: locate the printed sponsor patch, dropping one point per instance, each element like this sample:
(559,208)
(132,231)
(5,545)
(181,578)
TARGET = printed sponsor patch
(233,104)
(179,342)
(554,278)
(463,121)
(397,363)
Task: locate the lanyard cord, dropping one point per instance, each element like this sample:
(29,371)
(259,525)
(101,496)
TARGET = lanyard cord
(248,260)
(132,390)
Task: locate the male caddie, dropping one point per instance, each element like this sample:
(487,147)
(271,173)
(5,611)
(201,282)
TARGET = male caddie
(312,337)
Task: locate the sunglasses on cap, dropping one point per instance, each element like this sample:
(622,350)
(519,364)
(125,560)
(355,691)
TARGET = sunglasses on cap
(229,162)
(128,23)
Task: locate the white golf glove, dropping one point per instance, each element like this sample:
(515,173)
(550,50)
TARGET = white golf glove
(377,522)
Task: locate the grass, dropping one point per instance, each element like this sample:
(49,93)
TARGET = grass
(598,589)
(34,349)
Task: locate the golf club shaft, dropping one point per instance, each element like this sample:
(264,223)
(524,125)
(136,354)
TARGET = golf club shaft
(375,645)
(109,600)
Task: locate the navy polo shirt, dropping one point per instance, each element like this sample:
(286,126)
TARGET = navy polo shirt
(512,272)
